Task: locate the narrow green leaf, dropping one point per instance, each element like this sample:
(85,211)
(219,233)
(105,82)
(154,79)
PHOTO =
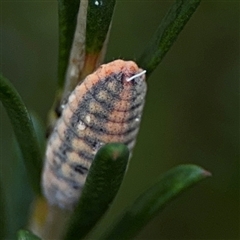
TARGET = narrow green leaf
(18,192)
(40,130)
(153,200)
(24,131)
(99,17)
(2,214)
(26,235)
(166,34)
(67,12)
(102,184)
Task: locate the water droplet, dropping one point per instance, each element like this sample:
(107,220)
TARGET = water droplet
(98,3)
(81,126)
(137,119)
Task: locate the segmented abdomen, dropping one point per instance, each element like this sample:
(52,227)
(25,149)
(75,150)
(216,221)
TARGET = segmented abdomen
(104,108)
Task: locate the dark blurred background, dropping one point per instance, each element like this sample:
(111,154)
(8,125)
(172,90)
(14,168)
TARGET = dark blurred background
(191,113)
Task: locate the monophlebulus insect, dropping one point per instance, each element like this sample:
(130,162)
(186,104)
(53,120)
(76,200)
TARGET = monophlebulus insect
(106,107)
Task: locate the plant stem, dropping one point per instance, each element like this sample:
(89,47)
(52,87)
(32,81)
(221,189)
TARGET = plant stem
(77,54)
(48,222)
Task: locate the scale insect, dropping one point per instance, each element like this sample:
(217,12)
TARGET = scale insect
(106,107)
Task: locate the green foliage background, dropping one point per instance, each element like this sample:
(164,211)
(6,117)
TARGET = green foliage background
(191,113)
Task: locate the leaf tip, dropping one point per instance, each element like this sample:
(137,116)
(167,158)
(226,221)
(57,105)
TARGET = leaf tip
(115,150)
(206,173)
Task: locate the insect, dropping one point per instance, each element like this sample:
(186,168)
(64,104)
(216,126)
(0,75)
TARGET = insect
(106,107)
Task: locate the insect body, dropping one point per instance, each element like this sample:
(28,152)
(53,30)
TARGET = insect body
(105,107)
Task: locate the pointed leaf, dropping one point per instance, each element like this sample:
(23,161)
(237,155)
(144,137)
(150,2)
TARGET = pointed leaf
(102,184)
(153,200)
(26,235)
(166,34)
(24,131)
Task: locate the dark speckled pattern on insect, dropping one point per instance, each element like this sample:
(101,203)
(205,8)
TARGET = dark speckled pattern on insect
(104,108)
